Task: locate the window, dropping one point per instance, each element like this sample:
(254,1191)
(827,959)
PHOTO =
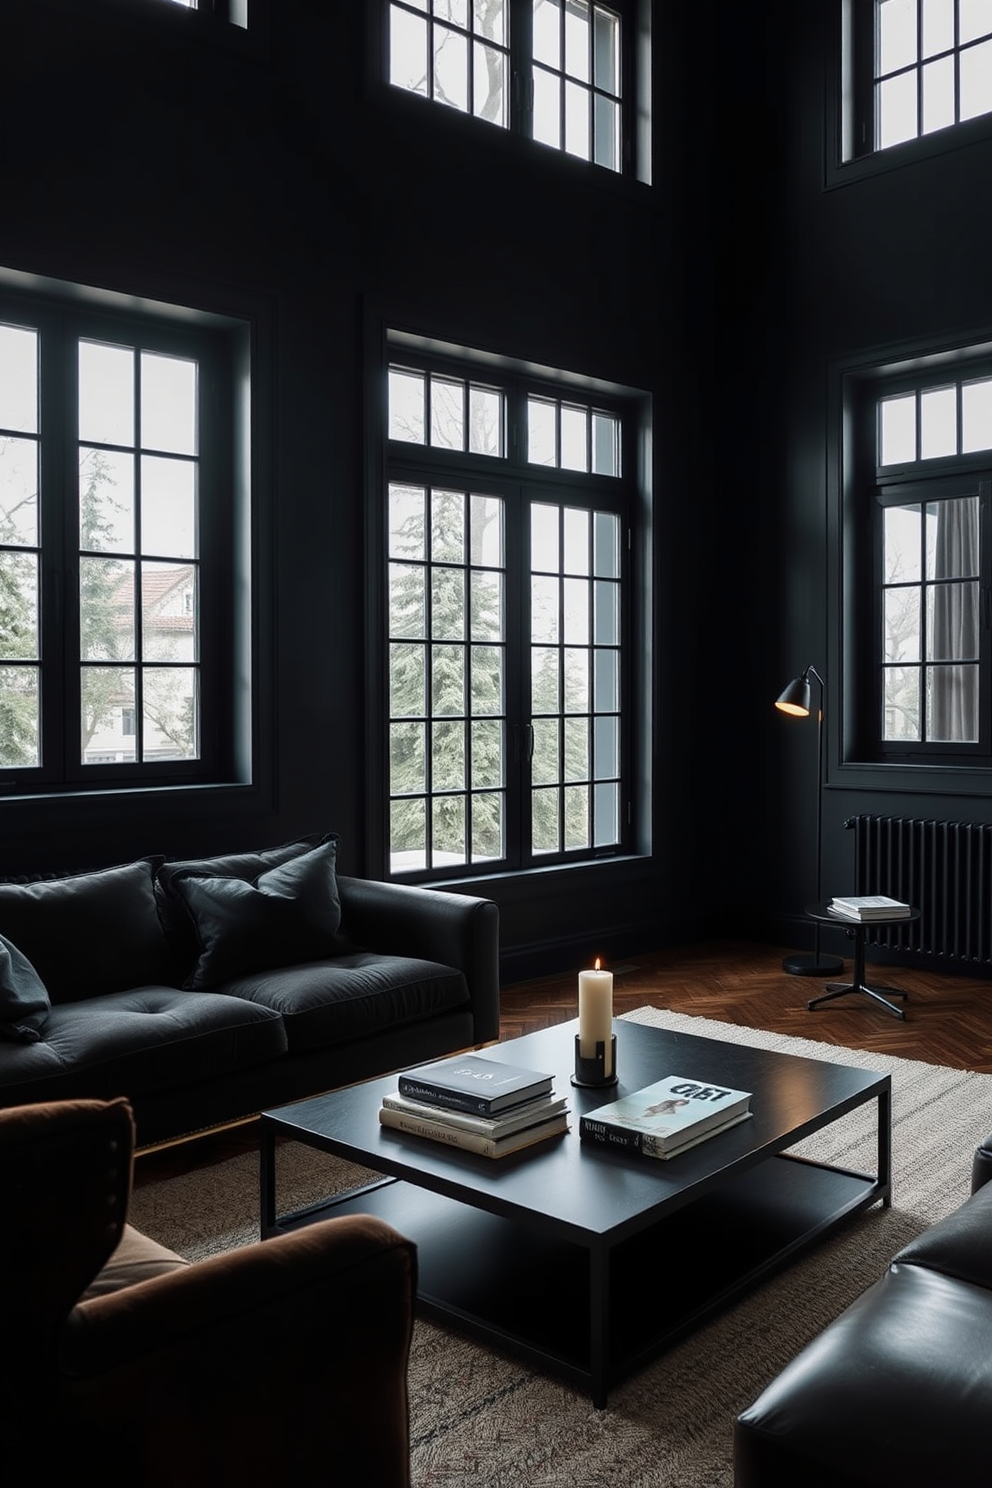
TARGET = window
(115,493)
(919,67)
(509,512)
(929,689)
(572,58)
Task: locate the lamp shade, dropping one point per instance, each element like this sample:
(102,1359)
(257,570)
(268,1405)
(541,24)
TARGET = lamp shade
(795,698)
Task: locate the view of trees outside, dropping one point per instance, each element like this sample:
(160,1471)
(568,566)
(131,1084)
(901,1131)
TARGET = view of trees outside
(954,67)
(457,53)
(122,596)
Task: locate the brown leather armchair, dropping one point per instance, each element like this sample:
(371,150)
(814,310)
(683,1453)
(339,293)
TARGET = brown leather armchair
(282,1363)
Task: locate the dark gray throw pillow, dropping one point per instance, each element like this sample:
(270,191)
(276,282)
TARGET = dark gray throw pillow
(287,915)
(24,1003)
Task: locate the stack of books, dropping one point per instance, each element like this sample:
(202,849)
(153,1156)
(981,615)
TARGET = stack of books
(480,1105)
(666,1118)
(867,907)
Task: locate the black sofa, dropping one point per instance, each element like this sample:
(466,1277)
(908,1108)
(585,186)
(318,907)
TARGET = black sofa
(897,1391)
(209,989)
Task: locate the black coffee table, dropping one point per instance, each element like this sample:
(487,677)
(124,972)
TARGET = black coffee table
(588,1262)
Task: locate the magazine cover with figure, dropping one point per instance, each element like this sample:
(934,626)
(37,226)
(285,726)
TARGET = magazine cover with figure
(667,1116)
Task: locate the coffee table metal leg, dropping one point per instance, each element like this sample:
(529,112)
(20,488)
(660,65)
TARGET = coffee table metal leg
(599,1324)
(267,1180)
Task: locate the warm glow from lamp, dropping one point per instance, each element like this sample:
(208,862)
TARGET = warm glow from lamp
(793,709)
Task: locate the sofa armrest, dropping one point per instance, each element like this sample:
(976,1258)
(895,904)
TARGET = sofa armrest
(255,1365)
(981,1166)
(458,930)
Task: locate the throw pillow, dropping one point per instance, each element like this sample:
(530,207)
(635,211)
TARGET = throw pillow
(290,914)
(24,1003)
(90,933)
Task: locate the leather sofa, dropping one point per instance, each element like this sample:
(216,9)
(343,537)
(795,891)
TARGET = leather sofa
(284,1361)
(897,1391)
(205,990)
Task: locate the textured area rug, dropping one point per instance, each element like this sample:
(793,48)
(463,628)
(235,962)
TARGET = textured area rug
(482,1418)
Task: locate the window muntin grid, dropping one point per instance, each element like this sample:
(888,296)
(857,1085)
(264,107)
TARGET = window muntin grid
(932,66)
(928,423)
(576,73)
(20,547)
(454,52)
(446,412)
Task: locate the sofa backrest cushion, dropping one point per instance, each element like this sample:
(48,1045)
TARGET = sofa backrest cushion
(289,914)
(24,1002)
(175,916)
(90,933)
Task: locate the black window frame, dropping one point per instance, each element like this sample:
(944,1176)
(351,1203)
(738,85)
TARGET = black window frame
(219,349)
(515,478)
(635,88)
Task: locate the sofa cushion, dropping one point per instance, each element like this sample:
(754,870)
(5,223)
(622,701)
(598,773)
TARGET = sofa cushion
(352,996)
(91,933)
(136,1042)
(173,913)
(289,914)
(24,1003)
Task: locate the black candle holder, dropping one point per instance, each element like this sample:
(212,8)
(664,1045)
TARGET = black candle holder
(592,1072)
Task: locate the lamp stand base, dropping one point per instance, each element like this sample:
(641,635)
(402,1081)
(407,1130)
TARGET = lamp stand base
(812,965)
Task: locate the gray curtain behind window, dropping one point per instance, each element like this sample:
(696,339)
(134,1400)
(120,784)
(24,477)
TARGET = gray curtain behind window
(954,633)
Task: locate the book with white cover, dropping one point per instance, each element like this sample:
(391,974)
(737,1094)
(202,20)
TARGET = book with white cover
(440,1130)
(666,1117)
(516,1118)
(870,907)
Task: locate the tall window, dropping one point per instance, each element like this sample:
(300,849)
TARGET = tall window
(508,518)
(572,55)
(933,478)
(920,66)
(114,490)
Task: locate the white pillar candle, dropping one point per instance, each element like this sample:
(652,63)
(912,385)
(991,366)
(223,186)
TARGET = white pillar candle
(596,1015)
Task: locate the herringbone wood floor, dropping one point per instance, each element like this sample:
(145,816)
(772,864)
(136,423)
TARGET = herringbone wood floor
(948,1017)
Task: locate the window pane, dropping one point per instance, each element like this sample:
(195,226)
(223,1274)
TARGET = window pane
(448,755)
(576,541)
(489,84)
(106,501)
(487,827)
(897,104)
(451,68)
(574,424)
(576,816)
(896,34)
(407,759)
(976,80)
(448,681)
(577,39)
(974,19)
(486,530)
(544,537)
(606,151)
(938,94)
(407,600)
(485,419)
(170,714)
(542,441)
(489,20)
(606,756)
(18,608)
(576,615)
(606,57)
(168,403)
(606,806)
(544,680)
(903,562)
(407,51)
(487,752)
(607,597)
(545,597)
(547,32)
(898,430)
(952,704)
(545,762)
(576,733)
(606,545)
(901,704)
(952,622)
(455,11)
(547,108)
(407,530)
(952,538)
(938,423)
(448,825)
(447,526)
(168,612)
(938,26)
(168,507)
(407,836)
(18,379)
(976,415)
(19,717)
(406,406)
(606,672)
(19,491)
(447,413)
(106,609)
(107,698)
(577,101)
(106,393)
(487,681)
(407,680)
(902,624)
(447,604)
(486,608)
(576,675)
(544,820)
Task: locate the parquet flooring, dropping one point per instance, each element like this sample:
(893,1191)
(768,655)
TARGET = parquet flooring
(949,1017)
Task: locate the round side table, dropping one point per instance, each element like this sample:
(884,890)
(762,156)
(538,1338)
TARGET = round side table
(825,916)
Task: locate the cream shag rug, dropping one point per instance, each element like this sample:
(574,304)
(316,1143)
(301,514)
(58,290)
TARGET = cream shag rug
(482,1418)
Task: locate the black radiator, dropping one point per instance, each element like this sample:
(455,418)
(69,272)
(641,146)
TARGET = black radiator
(942,868)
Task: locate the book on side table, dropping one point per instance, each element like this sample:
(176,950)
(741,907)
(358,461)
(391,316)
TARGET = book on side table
(666,1118)
(869,907)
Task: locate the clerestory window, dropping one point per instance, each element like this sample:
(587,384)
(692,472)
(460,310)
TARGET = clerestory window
(559,72)
(509,513)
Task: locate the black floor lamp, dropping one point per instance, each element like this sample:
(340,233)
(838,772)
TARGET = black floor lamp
(794,702)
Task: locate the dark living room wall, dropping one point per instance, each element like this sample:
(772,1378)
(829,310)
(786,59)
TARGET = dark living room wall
(274,182)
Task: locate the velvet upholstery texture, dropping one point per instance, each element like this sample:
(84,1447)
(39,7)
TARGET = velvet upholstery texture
(284,1362)
(24,1001)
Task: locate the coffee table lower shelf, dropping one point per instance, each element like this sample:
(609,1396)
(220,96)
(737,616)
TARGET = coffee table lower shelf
(526,1286)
